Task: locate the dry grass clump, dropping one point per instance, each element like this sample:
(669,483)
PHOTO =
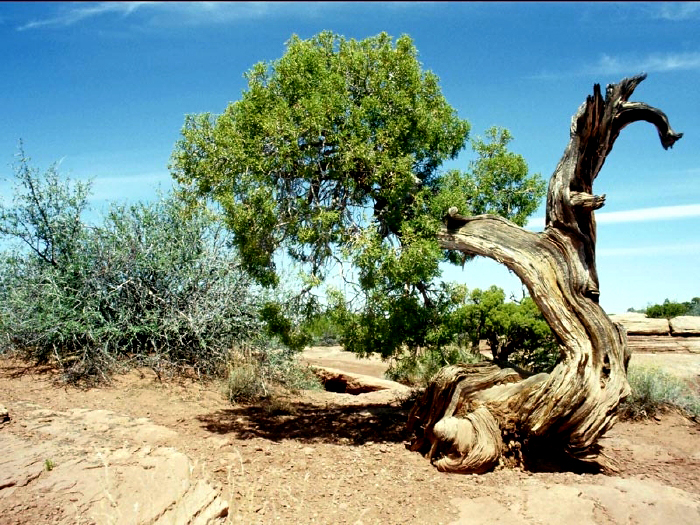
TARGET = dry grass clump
(654,390)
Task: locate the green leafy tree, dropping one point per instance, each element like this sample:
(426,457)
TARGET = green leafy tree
(693,306)
(333,154)
(515,331)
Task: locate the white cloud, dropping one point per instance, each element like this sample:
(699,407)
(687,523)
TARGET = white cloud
(659,213)
(173,13)
(656,62)
(629,64)
(82,12)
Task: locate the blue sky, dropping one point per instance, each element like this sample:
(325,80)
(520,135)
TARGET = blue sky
(104,88)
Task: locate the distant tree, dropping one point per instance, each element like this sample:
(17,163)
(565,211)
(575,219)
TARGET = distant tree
(670,309)
(694,306)
(516,332)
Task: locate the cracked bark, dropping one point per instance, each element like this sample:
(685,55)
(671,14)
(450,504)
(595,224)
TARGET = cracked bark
(473,416)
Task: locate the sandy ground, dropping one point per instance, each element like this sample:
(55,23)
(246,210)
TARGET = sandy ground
(140,451)
(686,366)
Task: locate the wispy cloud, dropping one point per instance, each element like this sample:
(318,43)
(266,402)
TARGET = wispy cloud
(73,15)
(632,64)
(656,62)
(678,11)
(640,251)
(659,213)
(170,13)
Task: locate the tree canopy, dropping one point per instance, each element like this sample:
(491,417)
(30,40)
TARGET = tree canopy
(333,152)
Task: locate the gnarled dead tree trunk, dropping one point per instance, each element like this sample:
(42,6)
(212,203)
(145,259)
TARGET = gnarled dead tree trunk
(472,416)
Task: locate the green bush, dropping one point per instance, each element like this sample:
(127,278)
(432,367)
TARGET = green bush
(324,330)
(653,390)
(670,309)
(153,284)
(516,331)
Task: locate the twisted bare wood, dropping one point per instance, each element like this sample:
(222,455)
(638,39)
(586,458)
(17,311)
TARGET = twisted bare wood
(471,416)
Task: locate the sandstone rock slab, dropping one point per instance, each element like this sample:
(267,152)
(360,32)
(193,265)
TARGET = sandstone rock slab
(101,467)
(640,324)
(685,325)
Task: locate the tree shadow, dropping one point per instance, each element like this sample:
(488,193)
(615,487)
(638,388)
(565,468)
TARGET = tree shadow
(14,368)
(547,457)
(312,423)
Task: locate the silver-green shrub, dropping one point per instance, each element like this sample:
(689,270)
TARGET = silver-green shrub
(153,283)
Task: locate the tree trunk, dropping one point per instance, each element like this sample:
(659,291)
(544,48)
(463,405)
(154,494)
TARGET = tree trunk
(473,416)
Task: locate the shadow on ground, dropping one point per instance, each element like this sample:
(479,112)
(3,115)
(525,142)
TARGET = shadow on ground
(15,369)
(312,423)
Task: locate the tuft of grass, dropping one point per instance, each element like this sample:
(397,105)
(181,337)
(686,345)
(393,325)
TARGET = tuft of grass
(49,465)
(254,375)
(417,369)
(244,383)
(654,390)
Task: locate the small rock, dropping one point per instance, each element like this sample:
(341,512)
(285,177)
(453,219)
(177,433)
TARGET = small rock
(4,415)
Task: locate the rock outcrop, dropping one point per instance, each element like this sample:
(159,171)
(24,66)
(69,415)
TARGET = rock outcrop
(95,466)
(680,334)
(640,324)
(342,382)
(685,325)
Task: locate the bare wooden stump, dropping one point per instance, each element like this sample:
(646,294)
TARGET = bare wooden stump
(473,416)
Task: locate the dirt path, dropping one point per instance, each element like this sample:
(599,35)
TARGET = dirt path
(143,452)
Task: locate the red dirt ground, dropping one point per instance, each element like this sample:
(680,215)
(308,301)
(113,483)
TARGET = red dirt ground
(321,457)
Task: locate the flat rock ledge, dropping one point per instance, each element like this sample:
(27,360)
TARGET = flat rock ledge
(685,325)
(680,334)
(100,467)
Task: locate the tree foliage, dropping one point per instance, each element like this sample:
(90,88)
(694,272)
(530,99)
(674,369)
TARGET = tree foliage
(333,153)
(45,215)
(516,333)
(670,309)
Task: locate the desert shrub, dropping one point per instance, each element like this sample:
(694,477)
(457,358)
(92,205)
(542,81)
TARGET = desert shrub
(667,310)
(244,382)
(517,332)
(253,373)
(654,390)
(418,368)
(153,284)
(449,331)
